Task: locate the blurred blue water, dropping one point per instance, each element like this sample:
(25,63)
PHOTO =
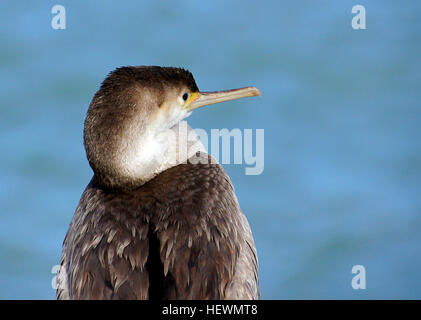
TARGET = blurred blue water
(340,109)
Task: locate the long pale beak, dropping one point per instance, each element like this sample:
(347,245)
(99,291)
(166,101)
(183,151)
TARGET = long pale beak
(200,99)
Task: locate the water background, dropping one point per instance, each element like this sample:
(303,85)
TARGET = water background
(341,110)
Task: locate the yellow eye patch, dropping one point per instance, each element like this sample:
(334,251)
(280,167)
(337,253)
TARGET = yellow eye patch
(193,97)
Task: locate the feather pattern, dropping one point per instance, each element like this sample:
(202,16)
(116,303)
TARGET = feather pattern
(181,235)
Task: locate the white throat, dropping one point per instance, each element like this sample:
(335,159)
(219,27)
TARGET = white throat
(148,154)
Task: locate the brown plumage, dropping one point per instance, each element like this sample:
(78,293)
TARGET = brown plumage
(178,235)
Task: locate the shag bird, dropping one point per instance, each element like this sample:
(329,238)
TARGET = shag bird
(157,220)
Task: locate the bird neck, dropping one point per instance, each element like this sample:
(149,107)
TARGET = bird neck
(149,153)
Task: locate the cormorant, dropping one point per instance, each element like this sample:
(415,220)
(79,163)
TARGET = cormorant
(152,223)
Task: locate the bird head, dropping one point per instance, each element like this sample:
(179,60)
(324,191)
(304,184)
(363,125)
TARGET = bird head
(133,113)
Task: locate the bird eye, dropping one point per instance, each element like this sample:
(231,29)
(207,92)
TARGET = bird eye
(185,96)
